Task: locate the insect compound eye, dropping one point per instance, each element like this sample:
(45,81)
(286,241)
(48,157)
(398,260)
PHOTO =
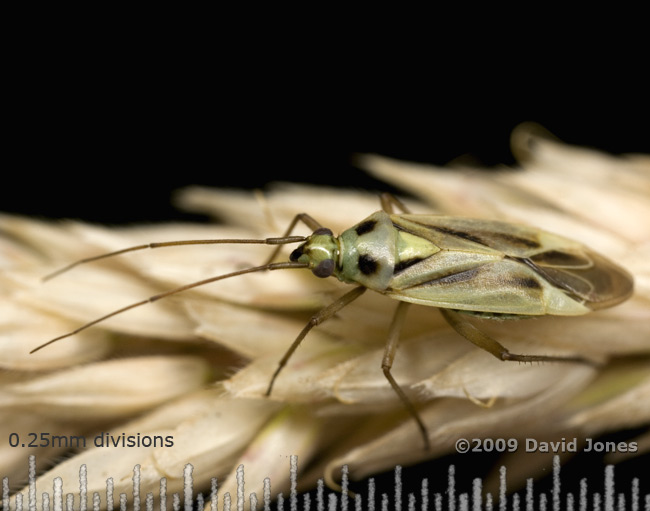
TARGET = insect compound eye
(324,269)
(323,231)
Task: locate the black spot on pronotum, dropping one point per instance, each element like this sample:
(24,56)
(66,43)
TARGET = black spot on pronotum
(367,265)
(365,227)
(324,269)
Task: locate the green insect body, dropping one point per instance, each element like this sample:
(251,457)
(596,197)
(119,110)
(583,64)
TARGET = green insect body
(478,267)
(471,265)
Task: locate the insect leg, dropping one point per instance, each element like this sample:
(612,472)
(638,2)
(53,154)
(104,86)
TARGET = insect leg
(315,320)
(306,219)
(483,341)
(388,200)
(387,363)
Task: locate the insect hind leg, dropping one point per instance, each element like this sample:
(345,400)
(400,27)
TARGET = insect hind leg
(485,342)
(387,363)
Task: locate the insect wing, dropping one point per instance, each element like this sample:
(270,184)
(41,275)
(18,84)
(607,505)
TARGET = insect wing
(498,267)
(458,233)
(585,275)
(502,287)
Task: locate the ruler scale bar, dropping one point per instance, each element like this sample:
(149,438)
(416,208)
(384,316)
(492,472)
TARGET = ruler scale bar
(612,499)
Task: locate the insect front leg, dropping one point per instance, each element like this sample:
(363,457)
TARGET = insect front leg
(388,200)
(387,363)
(483,341)
(316,319)
(306,219)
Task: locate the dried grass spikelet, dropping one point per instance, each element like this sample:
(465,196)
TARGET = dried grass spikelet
(210,352)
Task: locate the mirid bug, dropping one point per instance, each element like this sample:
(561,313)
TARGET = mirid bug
(463,266)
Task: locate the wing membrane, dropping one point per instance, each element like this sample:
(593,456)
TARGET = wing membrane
(587,276)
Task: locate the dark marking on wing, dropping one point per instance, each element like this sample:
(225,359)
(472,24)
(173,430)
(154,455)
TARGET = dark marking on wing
(455,278)
(473,273)
(367,265)
(459,234)
(407,263)
(576,287)
(365,227)
(514,240)
(490,234)
(562,259)
(492,315)
(527,282)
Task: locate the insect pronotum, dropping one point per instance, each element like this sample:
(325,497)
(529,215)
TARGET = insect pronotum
(463,266)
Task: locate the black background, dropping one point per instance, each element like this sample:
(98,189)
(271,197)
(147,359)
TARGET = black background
(105,132)
(119,159)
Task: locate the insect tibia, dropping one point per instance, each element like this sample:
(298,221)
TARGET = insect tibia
(546,358)
(265,241)
(485,342)
(322,315)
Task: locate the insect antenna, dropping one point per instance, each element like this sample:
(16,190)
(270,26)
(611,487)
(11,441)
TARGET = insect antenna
(165,294)
(266,241)
(265,267)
